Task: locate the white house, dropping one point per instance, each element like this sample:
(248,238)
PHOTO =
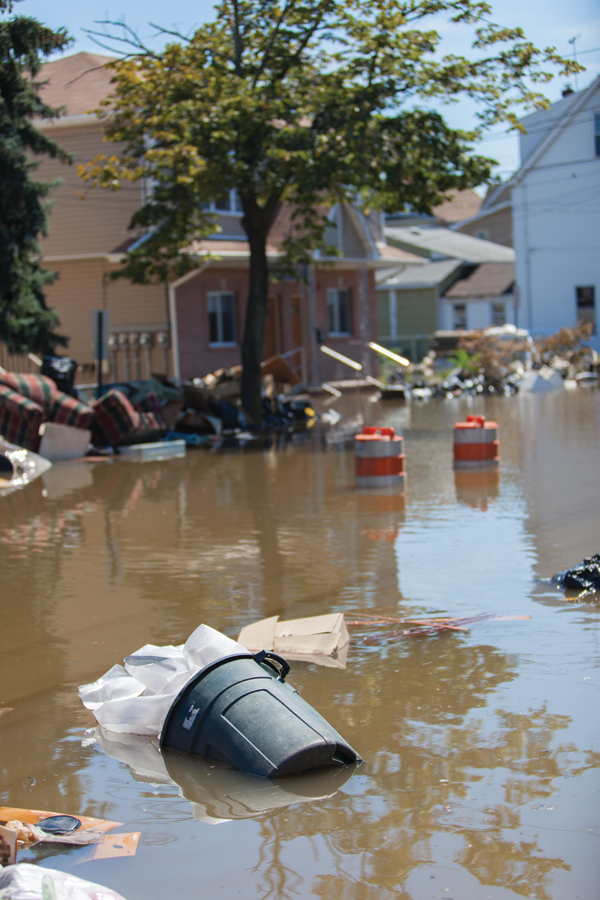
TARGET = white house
(556,215)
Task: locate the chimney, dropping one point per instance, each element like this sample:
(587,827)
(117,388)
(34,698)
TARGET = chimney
(567,91)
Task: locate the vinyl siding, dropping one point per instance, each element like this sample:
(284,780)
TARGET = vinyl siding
(84,220)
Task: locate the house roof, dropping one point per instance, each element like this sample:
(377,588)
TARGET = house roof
(430,274)
(284,226)
(444,243)
(78,82)
(458,205)
(487,280)
(568,109)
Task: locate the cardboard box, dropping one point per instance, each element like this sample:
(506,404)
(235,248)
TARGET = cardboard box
(313,639)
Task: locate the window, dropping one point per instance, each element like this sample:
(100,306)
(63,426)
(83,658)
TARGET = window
(338,304)
(227,203)
(460,316)
(498,314)
(483,234)
(597,133)
(221,319)
(586,306)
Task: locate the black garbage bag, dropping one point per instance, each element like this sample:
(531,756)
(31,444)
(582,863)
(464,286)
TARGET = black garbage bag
(61,369)
(584,577)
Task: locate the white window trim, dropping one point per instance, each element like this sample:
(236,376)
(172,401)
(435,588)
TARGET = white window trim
(336,291)
(501,303)
(463,304)
(217,295)
(233,199)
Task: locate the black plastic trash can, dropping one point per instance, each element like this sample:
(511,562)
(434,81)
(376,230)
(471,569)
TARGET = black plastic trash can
(240,711)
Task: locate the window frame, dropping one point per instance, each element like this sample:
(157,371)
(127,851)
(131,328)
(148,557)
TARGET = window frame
(234,204)
(337,333)
(495,306)
(455,307)
(218,297)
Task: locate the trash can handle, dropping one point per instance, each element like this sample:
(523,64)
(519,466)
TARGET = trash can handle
(269,655)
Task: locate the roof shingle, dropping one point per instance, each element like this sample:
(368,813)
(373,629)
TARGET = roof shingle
(487,280)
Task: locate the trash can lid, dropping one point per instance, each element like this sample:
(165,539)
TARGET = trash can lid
(59,824)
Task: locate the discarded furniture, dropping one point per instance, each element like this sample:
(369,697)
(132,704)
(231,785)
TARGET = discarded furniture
(28,400)
(118,422)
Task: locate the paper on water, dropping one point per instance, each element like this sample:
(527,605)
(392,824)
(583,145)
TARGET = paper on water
(135,699)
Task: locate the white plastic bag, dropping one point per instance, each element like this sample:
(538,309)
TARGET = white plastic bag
(136,698)
(27,882)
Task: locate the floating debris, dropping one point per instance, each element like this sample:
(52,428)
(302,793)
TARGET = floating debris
(584,577)
(419,627)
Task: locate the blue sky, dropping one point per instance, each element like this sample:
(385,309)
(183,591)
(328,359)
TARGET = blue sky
(545,22)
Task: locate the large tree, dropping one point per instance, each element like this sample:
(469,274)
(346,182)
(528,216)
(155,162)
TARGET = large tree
(307,101)
(26,322)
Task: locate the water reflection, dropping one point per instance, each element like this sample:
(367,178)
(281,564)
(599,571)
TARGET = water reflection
(477,488)
(216,793)
(468,738)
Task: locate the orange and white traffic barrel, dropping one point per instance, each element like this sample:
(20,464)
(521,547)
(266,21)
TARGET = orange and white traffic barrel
(379,460)
(476,444)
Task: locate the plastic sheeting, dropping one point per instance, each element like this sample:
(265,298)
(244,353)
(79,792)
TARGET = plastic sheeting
(136,697)
(27,882)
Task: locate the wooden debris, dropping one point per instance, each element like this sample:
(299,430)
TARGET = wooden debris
(418,627)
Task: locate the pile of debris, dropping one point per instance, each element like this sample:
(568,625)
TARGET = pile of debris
(584,578)
(36,415)
(498,360)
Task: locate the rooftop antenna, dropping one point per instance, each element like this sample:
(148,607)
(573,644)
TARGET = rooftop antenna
(573,41)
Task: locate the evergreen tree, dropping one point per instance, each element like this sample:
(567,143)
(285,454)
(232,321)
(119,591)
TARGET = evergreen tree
(26,322)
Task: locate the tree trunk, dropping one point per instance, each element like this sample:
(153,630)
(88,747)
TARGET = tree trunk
(254,330)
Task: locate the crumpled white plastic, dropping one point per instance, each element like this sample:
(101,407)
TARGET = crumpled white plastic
(27,882)
(135,699)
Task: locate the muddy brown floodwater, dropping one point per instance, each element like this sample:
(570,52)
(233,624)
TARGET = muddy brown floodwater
(481,748)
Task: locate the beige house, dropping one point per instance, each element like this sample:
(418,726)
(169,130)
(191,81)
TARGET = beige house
(493,220)
(194,325)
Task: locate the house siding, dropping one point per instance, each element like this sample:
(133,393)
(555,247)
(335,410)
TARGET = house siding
(85,285)
(498,226)
(557,226)
(84,220)
(287,298)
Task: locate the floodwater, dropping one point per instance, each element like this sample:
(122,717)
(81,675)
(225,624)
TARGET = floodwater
(481,748)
